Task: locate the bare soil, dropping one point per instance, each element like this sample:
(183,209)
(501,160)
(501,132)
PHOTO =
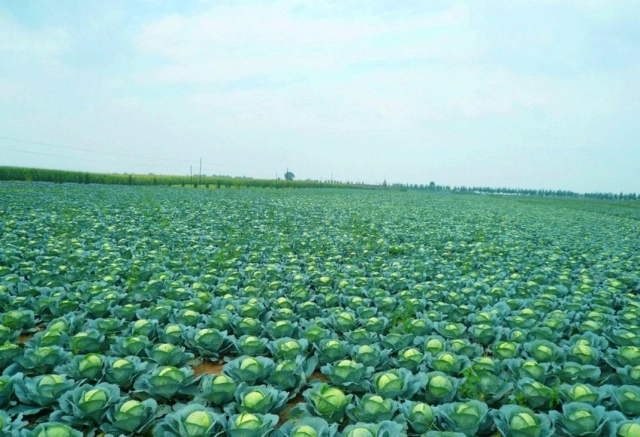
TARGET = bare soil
(208,368)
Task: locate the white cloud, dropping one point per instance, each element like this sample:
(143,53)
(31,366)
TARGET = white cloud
(227,44)
(336,73)
(387,103)
(254,28)
(41,42)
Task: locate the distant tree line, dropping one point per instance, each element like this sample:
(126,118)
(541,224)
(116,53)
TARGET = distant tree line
(214,181)
(62,176)
(518,191)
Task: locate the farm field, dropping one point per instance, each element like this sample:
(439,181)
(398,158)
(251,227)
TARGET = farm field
(322,312)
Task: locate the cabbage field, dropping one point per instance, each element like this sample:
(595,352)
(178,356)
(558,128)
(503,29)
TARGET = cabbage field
(157,311)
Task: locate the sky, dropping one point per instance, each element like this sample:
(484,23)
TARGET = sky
(500,93)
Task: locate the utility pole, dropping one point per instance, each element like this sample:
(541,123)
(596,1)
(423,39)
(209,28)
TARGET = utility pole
(191,173)
(200,180)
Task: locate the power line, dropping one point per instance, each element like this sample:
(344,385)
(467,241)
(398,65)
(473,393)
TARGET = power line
(210,165)
(98,160)
(87,159)
(89,150)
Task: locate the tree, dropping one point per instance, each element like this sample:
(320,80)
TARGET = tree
(289,176)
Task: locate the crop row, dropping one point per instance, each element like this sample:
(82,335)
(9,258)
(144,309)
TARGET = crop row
(321,312)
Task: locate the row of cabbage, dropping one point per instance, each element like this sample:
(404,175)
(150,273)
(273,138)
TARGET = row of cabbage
(461,330)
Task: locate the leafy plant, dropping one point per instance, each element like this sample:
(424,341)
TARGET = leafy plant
(251,425)
(260,399)
(385,428)
(440,388)
(579,419)
(39,360)
(86,404)
(217,389)
(167,354)
(516,421)
(372,408)
(469,418)
(308,427)
(53,429)
(348,374)
(535,394)
(124,371)
(398,383)
(39,392)
(191,421)
(131,417)
(419,416)
(323,401)
(251,370)
(166,382)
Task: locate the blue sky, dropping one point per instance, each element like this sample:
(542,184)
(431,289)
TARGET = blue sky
(540,94)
